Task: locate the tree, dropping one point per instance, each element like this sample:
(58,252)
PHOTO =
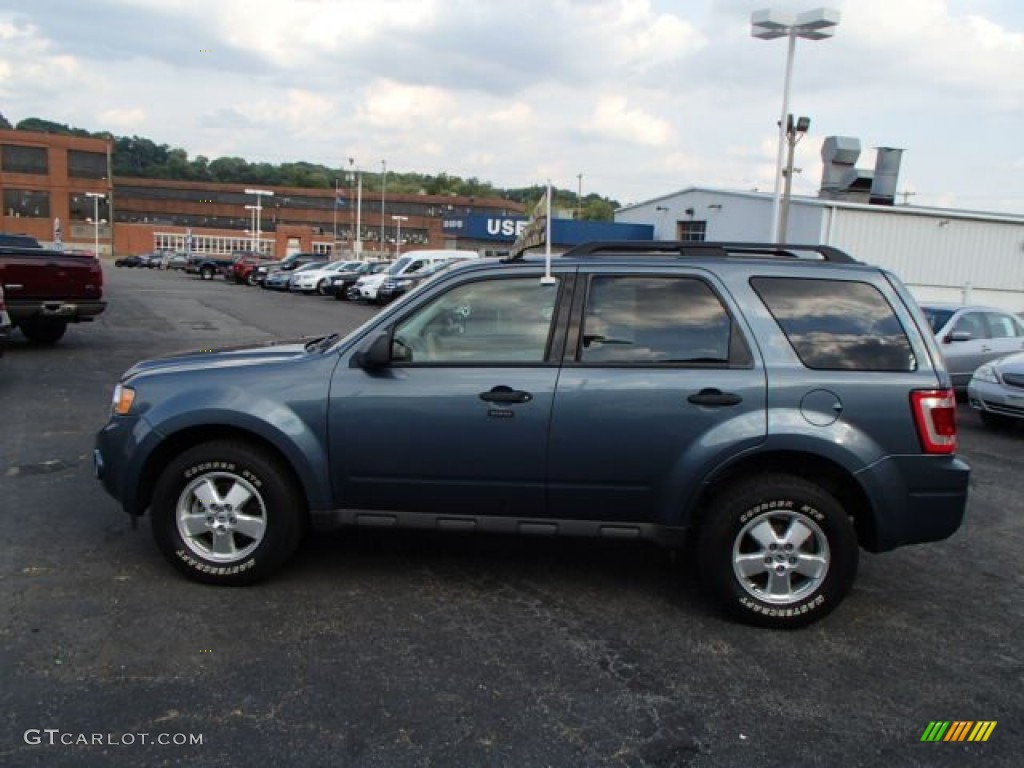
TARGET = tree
(5,124)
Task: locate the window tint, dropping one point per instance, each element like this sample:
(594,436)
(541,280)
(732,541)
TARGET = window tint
(972,323)
(837,325)
(17,159)
(649,320)
(87,165)
(488,321)
(937,317)
(1002,326)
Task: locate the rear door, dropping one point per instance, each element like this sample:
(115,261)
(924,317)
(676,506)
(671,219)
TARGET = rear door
(1006,333)
(659,380)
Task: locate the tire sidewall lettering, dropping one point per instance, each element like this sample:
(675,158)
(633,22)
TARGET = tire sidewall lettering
(214,570)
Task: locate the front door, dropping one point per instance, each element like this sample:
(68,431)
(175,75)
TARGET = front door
(458,423)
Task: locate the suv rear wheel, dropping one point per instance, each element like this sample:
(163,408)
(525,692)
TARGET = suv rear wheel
(227,513)
(777,551)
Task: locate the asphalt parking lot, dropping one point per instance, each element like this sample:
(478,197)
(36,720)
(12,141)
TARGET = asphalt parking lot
(385,649)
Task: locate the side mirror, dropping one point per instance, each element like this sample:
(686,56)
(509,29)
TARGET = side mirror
(958,336)
(376,354)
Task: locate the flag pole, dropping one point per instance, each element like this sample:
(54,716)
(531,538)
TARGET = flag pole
(547,279)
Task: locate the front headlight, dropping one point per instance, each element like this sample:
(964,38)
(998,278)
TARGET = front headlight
(986,373)
(121,402)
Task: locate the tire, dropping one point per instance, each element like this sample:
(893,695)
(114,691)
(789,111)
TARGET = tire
(811,571)
(43,331)
(251,546)
(206,273)
(321,287)
(250,279)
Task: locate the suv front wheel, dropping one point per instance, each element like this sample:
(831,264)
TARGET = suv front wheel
(227,513)
(777,551)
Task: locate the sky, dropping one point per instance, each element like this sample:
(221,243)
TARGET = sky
(629,99)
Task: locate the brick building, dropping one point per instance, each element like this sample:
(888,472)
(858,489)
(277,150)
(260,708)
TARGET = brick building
(50,180)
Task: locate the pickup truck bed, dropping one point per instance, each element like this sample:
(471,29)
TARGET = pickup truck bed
(45,290)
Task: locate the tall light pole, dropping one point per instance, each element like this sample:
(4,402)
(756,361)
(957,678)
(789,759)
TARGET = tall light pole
(260,194)
(398,235)
(96,197)
(252,226)
(356,176)
(818,24)
(383,194)
(794,132)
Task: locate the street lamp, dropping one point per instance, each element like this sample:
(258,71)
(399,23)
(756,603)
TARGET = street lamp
(767,24)
(252,226)
(398,235)
(794,132)
(96,197)
(383,195)
(357,241)
(260,194)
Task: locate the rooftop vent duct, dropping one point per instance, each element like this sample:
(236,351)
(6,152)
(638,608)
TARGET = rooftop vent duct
(838,154)
(887,171)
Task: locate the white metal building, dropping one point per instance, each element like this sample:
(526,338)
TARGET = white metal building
(942,255)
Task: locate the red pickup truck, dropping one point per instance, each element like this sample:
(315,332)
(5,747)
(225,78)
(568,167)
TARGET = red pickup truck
(44,290)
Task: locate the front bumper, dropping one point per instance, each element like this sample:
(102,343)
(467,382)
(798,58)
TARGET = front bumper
(118,457)
(998,399)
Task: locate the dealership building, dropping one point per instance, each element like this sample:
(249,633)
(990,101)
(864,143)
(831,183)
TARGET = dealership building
(60,190)
(943,255)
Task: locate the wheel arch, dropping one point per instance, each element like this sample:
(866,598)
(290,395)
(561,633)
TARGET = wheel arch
(189,437)
(829,474)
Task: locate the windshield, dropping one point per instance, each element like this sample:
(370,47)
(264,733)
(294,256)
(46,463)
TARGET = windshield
(937,317)
(399,265)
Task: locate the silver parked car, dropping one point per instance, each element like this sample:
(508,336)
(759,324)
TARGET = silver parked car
(996,391)
(972,335)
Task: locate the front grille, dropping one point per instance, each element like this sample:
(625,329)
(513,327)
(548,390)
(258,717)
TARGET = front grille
(1014,379)
(1003,408)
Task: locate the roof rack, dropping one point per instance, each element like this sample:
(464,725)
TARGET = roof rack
(711,249)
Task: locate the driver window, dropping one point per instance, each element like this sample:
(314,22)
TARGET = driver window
(972,323)
(488,321)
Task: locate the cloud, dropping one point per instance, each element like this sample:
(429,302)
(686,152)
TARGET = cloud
(613,118)
(123,119)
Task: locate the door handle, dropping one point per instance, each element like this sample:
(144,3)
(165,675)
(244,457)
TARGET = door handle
(714,397)
(503,394)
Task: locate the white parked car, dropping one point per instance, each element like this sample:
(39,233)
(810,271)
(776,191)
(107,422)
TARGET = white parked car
(317,280)
(366,287)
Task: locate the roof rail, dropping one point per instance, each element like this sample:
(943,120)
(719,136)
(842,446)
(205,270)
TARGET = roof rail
(705,249)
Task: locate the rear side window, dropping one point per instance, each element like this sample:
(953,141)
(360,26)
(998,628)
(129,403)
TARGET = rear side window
(837,324)
(658,320)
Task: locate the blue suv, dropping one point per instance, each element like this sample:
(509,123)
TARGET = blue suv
(780,407)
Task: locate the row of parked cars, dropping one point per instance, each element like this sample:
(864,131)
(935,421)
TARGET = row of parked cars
(984,351)
(375,282)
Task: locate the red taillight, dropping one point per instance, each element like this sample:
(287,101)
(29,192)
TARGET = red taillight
(935,419)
